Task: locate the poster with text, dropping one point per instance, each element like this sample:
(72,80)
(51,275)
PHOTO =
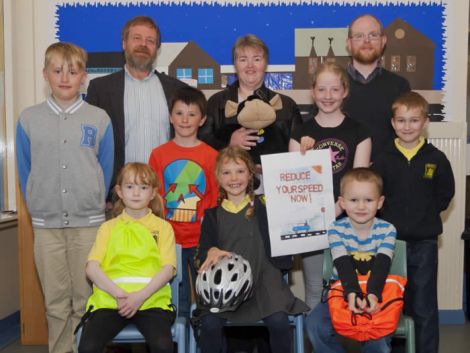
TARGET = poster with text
(299,200)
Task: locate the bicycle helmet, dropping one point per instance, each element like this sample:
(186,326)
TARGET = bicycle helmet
(225,285)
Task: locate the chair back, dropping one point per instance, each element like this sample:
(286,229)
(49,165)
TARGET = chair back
(398,266)
(175,282)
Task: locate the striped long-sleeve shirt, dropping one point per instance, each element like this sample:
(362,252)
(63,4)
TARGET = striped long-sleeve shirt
(344,241)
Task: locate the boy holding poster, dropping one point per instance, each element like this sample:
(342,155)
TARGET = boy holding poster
(359,243)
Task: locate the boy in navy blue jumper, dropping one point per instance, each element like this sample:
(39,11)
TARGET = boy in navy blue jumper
(418,186)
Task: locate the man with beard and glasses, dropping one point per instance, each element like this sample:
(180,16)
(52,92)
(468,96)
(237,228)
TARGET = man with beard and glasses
(136,98)
(373,89)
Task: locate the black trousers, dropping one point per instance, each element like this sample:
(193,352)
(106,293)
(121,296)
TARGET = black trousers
(212,339)
(421,293)
(104,324)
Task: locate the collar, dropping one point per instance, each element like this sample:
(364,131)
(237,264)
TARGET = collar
(124,216)
(357,76)
(129,75)
(233,91)
(409,153)
(69,110)
(229,206)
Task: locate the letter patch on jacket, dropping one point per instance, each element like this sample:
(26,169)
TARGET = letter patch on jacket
(429,169)
(89,133)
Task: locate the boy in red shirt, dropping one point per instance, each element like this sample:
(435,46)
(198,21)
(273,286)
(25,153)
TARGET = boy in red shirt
(186,167)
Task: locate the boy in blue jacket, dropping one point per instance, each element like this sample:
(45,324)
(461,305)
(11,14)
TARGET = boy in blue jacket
(418,186)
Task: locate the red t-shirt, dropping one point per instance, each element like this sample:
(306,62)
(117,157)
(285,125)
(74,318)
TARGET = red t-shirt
(189,186)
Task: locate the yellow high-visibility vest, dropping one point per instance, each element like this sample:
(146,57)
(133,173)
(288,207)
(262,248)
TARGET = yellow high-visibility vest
(132,259)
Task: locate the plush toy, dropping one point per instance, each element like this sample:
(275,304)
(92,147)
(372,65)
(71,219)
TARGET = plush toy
(259,113)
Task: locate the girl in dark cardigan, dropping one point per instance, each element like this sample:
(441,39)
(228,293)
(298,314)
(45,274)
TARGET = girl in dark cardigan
(239,225)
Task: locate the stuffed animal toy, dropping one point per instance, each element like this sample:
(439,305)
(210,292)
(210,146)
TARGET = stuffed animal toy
(259,113)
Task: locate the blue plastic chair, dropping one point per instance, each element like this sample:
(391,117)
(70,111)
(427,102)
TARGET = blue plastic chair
(295,321)
(406,326)
(130,333)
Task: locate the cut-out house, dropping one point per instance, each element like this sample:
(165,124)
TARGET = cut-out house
(186,61)
(408,52)
(314,46)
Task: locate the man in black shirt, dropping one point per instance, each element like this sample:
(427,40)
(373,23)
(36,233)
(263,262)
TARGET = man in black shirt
(372,88)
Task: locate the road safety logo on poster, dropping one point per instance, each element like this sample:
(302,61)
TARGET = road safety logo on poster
(299,200)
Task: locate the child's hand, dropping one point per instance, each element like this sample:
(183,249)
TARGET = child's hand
(120,296)
(213,256)
(121,300)
(355,304)
(306,143)
(373,306)
(130,304)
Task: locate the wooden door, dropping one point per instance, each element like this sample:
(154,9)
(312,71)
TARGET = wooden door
(33,318)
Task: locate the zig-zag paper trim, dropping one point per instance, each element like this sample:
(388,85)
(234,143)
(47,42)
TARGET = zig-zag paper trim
(251,2)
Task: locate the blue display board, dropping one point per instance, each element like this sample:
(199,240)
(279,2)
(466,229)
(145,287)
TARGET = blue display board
(215,27)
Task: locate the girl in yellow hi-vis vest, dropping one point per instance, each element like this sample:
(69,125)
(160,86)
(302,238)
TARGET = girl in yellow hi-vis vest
(130,265)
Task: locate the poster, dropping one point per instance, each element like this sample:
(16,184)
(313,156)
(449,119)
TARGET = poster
(299,200)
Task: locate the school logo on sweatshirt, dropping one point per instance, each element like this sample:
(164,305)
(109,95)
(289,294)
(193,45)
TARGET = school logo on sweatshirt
(89,133)
(429,170)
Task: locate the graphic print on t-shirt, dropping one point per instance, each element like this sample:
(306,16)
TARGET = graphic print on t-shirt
(185,185)
(339,152)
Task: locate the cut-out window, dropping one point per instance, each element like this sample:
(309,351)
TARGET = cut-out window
(395,63)
(411,63)
(205,76)
(184,73)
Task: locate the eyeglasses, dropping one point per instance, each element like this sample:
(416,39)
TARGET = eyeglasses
(360,37)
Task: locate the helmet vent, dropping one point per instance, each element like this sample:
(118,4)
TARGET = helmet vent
(218,277)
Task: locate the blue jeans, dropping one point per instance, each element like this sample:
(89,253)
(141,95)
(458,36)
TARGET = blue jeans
(324,338)
(188,271)
(421,293)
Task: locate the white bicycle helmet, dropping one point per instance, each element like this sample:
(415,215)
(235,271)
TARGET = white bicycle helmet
(225,285)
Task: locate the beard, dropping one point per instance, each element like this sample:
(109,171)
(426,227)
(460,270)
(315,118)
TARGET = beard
(139,61)
(368,57)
